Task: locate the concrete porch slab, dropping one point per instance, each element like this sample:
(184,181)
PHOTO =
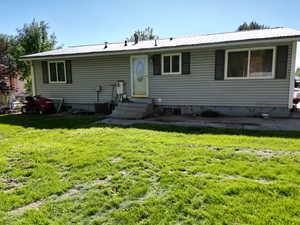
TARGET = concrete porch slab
(247,123)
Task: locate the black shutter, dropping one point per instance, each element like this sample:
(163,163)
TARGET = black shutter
(281,62)
(69,71)
(156,64)
(219,64)
(186,63)
(45,72)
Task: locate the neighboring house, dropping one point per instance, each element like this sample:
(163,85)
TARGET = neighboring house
(236,73)
(15,87)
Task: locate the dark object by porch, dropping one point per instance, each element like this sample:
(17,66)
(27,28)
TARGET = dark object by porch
(210,113)
(103,108)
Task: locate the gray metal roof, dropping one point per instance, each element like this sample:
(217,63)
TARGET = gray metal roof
(149,45)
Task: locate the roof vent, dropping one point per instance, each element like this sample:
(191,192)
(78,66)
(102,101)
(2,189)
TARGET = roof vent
(155,42)
(125,44)
(105,44)
(136,38)
(171,39)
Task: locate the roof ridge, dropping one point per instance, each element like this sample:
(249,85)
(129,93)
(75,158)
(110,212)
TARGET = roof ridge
(187,36)
(229,32)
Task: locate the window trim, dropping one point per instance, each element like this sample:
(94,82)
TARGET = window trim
(248,77)
(162,64)
(49,73)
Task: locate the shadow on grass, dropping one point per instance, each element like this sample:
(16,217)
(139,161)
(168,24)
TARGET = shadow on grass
(49,121)
(76,122)
(221,131)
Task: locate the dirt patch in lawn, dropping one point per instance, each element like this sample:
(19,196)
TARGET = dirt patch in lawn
(258,152)
(37,204)
(32,205)
(124,172)
(267,152)
(116,159)
(11,184)
(70,192)
(101,181)
(233,177)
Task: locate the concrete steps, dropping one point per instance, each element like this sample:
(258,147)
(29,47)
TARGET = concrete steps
(132,110)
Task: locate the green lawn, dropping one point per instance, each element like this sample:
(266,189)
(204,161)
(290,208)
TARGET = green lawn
(68,170)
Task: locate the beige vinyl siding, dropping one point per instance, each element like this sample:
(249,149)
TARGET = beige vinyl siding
(87,74)
(197,88)
(201,88)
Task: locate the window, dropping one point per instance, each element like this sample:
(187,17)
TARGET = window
(237,64)
(250,63)
(57,72)
(171,64)
(261,62)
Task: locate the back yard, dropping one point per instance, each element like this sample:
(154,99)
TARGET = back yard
(68,170)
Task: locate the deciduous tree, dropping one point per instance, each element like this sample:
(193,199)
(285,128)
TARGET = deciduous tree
(31,38)
(146,34)
(252,26)
(8,68)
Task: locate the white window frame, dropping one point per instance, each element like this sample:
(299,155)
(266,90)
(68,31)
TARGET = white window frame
(57,82)
(162,64)
(248,66)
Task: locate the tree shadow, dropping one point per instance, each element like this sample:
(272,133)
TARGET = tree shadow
(88,121)
(207,130)
(218,131)
(49,121)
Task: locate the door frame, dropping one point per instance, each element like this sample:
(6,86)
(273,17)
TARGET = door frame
(146,76)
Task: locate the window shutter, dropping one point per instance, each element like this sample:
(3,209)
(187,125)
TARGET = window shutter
(156,64)
(69,71)
(45,72)
(281,62)
(219,64)
(186,62)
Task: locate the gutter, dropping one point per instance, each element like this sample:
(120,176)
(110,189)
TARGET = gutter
(159,49)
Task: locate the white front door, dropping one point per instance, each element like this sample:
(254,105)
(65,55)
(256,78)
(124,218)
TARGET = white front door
(139,76)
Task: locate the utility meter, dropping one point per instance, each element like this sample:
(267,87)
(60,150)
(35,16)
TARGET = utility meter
(99,88)
(120,87)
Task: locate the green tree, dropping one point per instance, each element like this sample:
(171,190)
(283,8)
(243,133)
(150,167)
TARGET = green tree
(8,68)
(30,39)
(252,26)
(146,34)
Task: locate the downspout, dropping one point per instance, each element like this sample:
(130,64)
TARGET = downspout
(292,75)
(32,79)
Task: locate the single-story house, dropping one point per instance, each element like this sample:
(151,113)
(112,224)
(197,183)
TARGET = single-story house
(237,73)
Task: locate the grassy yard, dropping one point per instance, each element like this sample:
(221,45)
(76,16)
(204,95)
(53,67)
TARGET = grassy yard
(68,170)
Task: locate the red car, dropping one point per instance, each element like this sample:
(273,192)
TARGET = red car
(38,104)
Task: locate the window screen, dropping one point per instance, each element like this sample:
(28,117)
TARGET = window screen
(175,63)
(237,64)
(261,63)
(53,75)
(167,63)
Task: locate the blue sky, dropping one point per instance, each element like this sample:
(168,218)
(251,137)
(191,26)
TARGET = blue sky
(77,22)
